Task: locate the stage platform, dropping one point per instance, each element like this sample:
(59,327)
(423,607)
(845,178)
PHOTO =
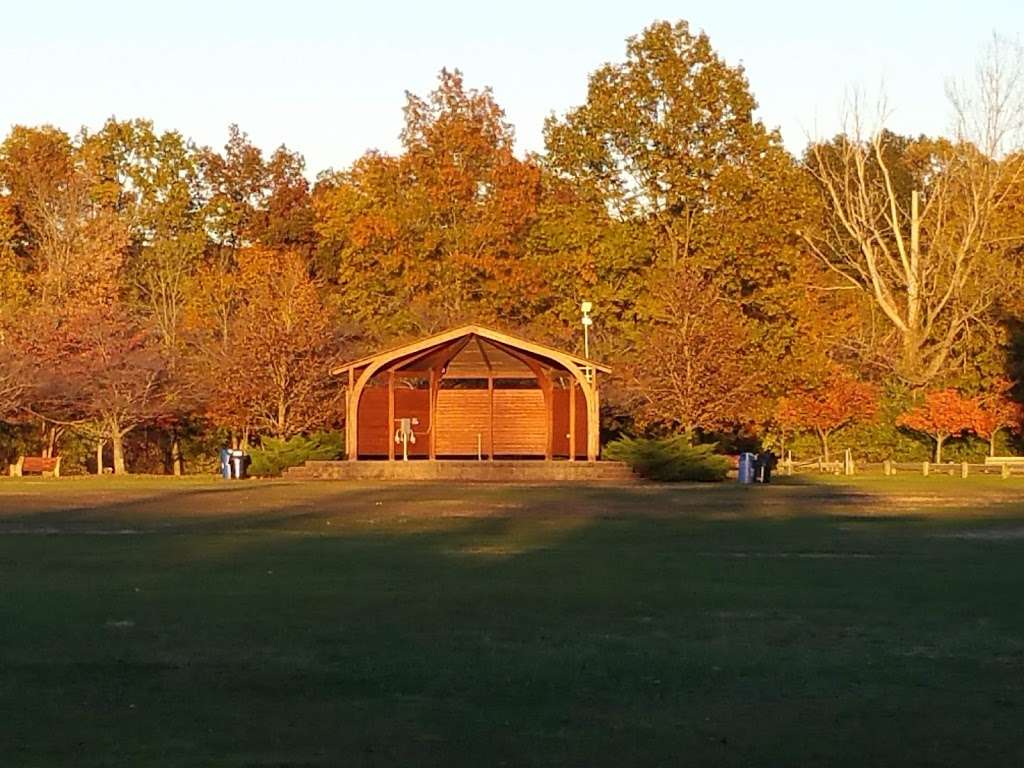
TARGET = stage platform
(498,471)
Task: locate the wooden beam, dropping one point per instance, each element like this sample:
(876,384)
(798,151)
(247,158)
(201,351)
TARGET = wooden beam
(351,419)
(549,444)
(409,360)
(593,422)
(391,416)
(572,419)
(376,361)
(490,417)
(432,410)
(483,354)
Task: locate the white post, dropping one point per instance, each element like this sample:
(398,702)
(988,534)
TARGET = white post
(585,307)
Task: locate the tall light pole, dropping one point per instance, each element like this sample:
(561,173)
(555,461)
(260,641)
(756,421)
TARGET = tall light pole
(587,321)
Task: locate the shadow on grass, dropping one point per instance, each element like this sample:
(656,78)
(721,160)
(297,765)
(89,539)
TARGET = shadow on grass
(323,624)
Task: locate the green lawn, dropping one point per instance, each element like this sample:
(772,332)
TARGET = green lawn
(152,622)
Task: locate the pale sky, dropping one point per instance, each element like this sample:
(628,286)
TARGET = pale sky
(328,79)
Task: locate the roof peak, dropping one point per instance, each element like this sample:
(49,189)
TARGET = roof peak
(477,329)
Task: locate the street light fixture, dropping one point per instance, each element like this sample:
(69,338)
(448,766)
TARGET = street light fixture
(587,321)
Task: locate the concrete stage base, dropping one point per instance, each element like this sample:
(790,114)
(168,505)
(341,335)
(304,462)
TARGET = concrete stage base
(499,471)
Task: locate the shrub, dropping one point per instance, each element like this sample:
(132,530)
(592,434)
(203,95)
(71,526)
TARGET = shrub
(670,459)
(275,455)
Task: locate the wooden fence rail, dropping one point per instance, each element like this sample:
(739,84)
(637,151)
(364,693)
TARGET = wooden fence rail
(891,468)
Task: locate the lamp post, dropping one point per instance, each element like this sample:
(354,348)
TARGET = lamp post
(587,321)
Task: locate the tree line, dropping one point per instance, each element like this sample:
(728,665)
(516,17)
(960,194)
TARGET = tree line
(158,297)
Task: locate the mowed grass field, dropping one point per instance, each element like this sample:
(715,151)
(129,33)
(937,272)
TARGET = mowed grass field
(153,622)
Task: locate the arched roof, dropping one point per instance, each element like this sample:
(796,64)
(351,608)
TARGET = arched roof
(491,345)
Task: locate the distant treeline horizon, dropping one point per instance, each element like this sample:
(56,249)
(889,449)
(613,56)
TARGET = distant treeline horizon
(158,297)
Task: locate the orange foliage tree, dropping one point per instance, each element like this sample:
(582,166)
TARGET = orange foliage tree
(13,382)
(943,414)
(437,234)
(996,410)
(271,373)
(95,370)
(838,400)
(691,369)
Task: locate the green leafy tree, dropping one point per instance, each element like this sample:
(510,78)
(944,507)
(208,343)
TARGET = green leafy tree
(667,141)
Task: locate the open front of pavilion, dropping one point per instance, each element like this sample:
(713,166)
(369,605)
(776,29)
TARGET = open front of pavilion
(474,393)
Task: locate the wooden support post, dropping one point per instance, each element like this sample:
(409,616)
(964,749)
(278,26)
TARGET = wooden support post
(549,429)
(1005,471)
(432,414)
(572,420)
(593,422)
(490,417)
(887,468)
(964,469)
(391,416)
(351,419)
(924,468)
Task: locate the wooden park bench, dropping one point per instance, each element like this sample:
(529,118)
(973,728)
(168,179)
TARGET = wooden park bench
(38,464)
(1013,461)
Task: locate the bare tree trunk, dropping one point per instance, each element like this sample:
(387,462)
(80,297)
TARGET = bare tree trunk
(117,443)
(823,437)
(939,439)
(933,270)
(99,456)
(177,463)
(992,442)
(50,436)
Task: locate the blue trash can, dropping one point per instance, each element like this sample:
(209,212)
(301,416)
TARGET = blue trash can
(745,470)
(225,463)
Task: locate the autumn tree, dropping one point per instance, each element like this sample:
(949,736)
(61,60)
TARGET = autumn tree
(13,381)
(72,241)
(249,201)
(153,182)
(579,252)
(836,400)
(437,234)
(112,378)
(667,143)
(274,377)
(691,368)
(996,410)
(942,414)
(13,293)
(917,227)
